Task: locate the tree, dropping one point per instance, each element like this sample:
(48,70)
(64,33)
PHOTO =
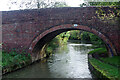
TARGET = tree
(75,35)
(110,15)
(31,4)
(95,40)
(85,38)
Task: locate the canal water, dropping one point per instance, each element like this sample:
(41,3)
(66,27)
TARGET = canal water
(68,61)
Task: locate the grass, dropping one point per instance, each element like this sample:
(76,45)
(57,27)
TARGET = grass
(107,70)
(13,60)
(110,65)
(115,60)
(98,50)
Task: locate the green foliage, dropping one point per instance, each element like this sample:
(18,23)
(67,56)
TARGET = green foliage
(54,43)
(112,60)
(104,3)
(100,4)
(59,4)
(85,38)
(51,46)
(95,40)
(75,35)
(110,15)
(63,38)
(59,40)
(49,50)
(107,70)
(98,50)
(13,60)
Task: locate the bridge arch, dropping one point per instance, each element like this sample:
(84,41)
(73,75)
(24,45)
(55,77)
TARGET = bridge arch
(26,29)
(49,34)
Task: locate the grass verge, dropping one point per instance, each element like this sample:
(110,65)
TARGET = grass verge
(107,70)
(98,50)
(13,60)
(115,60)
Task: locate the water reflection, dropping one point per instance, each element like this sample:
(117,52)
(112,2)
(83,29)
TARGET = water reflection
(72,63)
(68,61)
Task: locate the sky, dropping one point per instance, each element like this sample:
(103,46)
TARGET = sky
(4,4)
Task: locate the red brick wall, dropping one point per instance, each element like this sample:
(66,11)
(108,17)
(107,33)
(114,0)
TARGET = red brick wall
(21,30)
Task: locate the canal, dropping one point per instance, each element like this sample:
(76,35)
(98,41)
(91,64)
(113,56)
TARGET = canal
(68,61)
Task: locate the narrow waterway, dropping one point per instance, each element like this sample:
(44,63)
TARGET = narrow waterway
(69,61)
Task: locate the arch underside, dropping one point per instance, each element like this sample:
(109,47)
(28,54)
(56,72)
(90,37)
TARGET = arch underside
(49,34)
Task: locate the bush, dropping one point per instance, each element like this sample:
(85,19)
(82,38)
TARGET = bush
(13,60)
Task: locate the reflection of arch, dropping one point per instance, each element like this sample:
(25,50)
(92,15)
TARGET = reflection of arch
(52,32)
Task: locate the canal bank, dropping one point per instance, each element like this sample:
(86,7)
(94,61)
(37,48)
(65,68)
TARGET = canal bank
(104,68)
(70,61)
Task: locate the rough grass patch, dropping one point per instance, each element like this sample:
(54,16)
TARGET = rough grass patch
(98,50)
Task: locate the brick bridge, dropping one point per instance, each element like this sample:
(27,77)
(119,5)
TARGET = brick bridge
(30,30)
